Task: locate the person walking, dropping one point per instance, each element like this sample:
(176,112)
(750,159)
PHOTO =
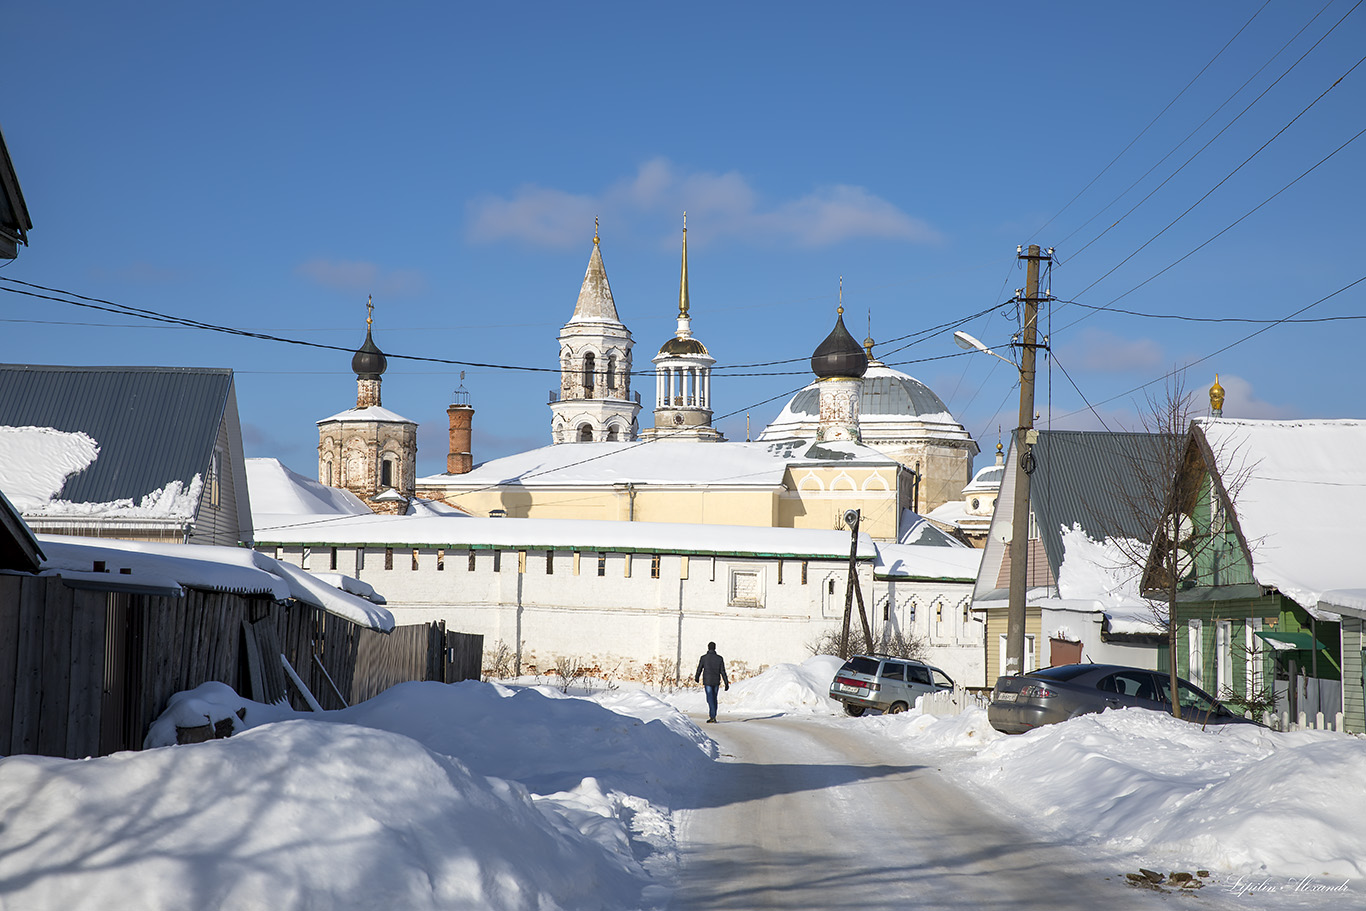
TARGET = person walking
(711,670)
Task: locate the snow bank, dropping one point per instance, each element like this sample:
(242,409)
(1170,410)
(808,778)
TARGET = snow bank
(1234,797)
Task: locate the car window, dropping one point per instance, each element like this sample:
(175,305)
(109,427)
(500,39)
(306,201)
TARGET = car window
(919,674)
(860,664)
(1063,672)
(1193,700)
(893,671)
(1135,684)
(941,678)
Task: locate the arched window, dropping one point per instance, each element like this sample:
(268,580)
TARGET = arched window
(612,435)
(589,366)
(611,373)
(386,472)
(585,431)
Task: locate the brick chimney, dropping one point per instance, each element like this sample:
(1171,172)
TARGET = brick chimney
(459,459)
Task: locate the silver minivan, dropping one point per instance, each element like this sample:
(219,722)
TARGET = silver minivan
(885,683)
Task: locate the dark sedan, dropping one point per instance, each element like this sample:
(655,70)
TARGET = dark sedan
(1022,702)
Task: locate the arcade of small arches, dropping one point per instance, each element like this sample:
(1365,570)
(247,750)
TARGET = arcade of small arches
(597,375)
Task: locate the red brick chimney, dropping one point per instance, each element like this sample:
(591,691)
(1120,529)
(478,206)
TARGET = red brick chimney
(459,459)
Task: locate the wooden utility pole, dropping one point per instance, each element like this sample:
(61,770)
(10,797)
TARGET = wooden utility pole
(1024,464)
(852,588)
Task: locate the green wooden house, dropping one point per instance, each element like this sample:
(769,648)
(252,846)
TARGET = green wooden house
(1266,522)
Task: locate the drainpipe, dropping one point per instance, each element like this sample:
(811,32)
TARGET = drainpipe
(631,500)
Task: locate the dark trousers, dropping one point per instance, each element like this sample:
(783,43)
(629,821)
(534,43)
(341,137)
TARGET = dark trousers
(711,701)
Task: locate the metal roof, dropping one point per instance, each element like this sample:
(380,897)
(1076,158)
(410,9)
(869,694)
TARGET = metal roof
(153,425)
(890,393)
(1083,478)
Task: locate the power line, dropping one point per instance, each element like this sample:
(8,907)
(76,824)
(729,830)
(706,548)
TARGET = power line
(1143,131)
(1212,354)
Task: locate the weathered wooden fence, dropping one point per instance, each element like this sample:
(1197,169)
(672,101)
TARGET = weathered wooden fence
(88,670)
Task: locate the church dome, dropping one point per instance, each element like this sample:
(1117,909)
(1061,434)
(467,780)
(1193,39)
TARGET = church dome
(839,355)
(369,362)
(886,393)
(684,346)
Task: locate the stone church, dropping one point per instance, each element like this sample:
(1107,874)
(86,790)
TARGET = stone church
(909,453)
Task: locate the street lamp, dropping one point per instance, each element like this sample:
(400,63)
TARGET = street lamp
(969,343)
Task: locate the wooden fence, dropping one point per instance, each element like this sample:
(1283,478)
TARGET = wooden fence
(88,670)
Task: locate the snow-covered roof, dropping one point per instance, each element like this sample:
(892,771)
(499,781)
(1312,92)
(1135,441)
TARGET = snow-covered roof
(1299,495)
(920,561)
(563,534)
(664,462)
(37,462)
(171,568)
(278,492)
(134,441)
(376,413)
(916,529)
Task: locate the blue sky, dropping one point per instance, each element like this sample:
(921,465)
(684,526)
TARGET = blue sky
(268,166)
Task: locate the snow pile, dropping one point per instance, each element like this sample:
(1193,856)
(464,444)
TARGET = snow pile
(36,461)
(1233,797)
(428,796)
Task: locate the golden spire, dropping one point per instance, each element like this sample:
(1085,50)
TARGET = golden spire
(595,230)
(1216,398)
(369,311)
(683,278)
(840,308)
(868,342)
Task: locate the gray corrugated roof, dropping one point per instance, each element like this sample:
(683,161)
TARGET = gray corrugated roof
(1082,477)
(154,425)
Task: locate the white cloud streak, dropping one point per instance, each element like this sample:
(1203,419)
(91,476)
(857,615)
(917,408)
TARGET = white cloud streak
(361,277)
(720,205)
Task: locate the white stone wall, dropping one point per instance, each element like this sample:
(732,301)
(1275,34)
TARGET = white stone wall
(938,614)
(613,620)
(621,622)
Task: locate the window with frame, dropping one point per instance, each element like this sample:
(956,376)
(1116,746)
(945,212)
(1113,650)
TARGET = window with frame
(388,558)
(498,561)
(414,566)
(440,560)
(332,559)
(654,566)
(602,564)
(550,563)
(469,564)
(803,572)
(746,588)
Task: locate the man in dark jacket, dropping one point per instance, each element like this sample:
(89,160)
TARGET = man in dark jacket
(711,670)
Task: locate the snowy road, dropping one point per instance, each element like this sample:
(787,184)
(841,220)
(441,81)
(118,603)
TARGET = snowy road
(808,815)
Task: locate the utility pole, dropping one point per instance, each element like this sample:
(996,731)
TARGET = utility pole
(852,588)
(1025,436)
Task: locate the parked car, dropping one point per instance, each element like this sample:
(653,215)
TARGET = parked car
(1021,702)
(885,683)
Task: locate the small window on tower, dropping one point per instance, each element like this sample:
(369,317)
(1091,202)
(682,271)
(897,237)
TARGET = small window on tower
(589,368)
(386,473)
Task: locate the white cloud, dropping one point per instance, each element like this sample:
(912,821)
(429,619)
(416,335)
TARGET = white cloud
(362,277)
(721,204)
(1239,402)
(1105,352)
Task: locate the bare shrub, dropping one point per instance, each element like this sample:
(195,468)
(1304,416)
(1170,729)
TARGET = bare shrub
(567,671)
(892,642)
(498,661)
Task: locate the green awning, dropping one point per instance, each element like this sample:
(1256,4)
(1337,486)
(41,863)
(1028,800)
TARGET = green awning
(1285,641)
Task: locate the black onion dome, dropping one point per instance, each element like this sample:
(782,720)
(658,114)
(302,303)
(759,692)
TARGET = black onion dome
(839,355)
(369,362)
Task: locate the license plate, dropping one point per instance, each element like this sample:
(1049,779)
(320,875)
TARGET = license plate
(1007,697)
(849,689)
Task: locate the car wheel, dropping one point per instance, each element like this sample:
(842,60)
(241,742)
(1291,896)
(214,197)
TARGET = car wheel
(896,708)
(853,711)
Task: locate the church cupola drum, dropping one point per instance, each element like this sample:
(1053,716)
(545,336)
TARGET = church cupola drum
(683,376)
(839,363)
(594,402)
